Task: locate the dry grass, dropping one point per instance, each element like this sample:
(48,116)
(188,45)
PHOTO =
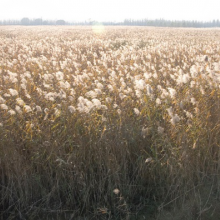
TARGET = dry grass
(83,114)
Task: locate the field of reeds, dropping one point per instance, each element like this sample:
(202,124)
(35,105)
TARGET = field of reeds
(107,123)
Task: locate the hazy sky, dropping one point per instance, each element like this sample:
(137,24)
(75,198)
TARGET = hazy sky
(111,10)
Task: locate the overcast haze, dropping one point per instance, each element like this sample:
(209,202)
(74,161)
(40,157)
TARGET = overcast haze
(110,10)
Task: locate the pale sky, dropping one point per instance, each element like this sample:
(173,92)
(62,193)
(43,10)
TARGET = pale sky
(110,10)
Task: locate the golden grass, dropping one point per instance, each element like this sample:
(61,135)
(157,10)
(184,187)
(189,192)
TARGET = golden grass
(106,124)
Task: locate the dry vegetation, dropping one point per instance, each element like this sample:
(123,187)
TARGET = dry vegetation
(107,124)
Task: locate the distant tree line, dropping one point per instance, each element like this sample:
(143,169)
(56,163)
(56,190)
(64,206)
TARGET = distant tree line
(170,23)
(32,22)
(126,22)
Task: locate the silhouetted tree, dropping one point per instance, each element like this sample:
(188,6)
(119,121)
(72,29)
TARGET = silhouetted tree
(60,22)
(25,21)
(38,21)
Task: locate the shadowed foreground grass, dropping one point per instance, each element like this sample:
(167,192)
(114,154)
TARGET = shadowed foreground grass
(73,171)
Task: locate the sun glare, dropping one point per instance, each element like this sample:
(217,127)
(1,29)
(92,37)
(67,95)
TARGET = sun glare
(98,28)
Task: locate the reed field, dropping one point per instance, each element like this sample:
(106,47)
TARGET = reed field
(108,122)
